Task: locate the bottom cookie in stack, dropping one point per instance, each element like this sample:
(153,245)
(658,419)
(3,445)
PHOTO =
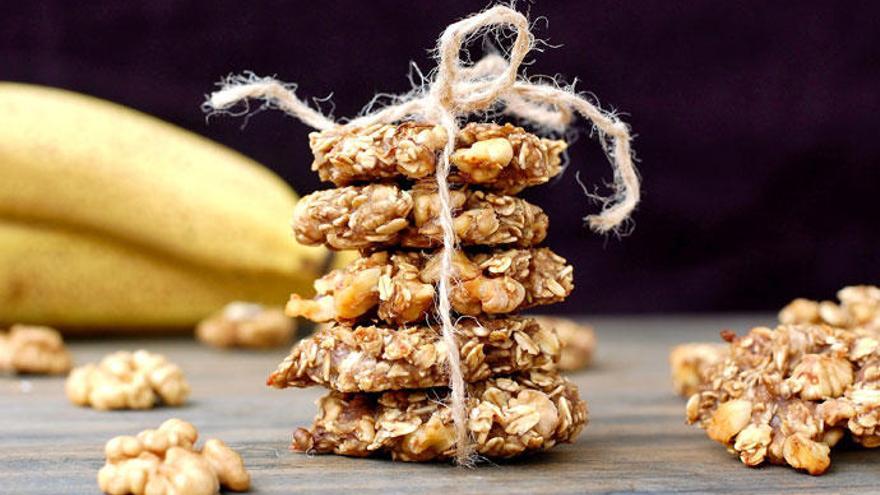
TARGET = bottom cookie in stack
(508,416)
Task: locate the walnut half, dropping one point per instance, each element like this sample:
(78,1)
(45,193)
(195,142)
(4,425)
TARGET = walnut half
(246,325)
(33,350)
(165,461)
(127,380)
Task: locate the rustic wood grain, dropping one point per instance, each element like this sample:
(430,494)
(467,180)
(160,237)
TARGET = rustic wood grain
(636,441)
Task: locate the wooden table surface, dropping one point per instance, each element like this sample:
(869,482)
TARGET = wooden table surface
(636,440)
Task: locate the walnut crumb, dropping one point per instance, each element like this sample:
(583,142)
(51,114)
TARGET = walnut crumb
(165,461)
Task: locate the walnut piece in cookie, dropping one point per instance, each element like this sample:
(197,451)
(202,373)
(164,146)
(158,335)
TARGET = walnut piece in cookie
(508,417)
(35,350)
(375,358)
(504,158)
(247,325)
(400,286)
(479,218)
(381,215)
(127,380)
(859,309)
(691,364)
(578,341)
(165,461)
(786,396)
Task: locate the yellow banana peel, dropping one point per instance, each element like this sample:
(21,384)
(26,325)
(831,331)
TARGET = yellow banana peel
(110,217)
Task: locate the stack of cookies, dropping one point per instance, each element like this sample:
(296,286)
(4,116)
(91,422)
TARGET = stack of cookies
(379,349)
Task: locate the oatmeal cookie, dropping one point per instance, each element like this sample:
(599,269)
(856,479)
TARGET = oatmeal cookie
(379,215)
(786,396)
(375,358)
(504,158)
(400,287)
(507,417)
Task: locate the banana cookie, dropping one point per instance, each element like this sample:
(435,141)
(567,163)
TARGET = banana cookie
(400,287)
(504,158)
(509,416)
(372,358)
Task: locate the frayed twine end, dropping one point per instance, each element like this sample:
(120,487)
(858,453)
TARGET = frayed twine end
(275,94)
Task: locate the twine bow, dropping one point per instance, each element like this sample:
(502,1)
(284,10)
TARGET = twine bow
(492,84)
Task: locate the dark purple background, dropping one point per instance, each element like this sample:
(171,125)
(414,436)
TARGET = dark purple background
(757,122)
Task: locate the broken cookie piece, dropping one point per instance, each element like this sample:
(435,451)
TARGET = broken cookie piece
(400,287)
(377,215)
(37,350)
(246,325)
(507,417)
(504,158)
(127,380)
(786,396)
(578,341)
(375,358)
(165,461)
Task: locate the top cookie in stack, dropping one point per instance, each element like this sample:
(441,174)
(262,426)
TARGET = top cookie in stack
(382,355)
(503,158)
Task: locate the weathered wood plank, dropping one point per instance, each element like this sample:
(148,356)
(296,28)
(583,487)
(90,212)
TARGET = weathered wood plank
(636,442)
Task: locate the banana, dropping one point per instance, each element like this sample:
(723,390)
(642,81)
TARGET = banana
(78,280)
(341,259)
(110,217)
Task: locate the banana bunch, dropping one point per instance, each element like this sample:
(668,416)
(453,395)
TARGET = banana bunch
(110,218)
